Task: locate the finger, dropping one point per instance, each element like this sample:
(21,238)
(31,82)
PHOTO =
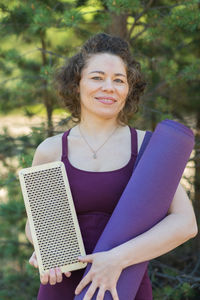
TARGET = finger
(35,263)
(68,274)
(58,275)
(44,278)
(82,284)
(101,293)
(52,277)
(90,291)
(33,260)
(87,258)
(114,294)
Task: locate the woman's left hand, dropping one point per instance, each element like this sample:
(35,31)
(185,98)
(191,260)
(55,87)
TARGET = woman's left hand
(104,274)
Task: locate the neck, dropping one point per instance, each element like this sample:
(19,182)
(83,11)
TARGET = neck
(98,127)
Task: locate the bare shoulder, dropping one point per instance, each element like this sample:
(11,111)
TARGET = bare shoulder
(49,150)
(50,143)
(140,137)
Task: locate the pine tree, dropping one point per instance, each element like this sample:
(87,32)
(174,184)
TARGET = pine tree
(37,36)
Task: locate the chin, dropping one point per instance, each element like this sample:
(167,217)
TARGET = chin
(107,115)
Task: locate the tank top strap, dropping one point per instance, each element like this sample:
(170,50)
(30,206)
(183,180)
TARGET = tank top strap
(134,141)
(65,144)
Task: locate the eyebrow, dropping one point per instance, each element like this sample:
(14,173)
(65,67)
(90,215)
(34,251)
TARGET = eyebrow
(101,72)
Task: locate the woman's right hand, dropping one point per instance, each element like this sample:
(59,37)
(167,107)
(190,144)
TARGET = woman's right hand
(53,277)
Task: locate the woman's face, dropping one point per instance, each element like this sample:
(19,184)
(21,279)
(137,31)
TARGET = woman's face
(103,86)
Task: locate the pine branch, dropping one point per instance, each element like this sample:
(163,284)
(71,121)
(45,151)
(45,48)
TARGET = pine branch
(19,77)
(15,243)
(136,18)
(181,277)
(51,52)
(140,33)
(196,267)
(171,6)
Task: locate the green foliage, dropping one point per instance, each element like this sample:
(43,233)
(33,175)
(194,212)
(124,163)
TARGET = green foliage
(118,6)
(186,17)
(72,18)
(162,106)
(191,72)
(17,278)
(36,36)
(18,285)
(17,20)
(81,2)
(46,72)
(182,291)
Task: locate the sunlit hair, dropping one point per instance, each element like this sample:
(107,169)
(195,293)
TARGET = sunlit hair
(67,77)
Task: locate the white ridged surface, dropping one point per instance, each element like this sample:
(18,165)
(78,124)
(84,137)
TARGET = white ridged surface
(52,217)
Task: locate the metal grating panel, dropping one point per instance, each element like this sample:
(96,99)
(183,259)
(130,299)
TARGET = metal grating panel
(53,222)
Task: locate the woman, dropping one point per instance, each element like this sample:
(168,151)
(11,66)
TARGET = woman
(101,86)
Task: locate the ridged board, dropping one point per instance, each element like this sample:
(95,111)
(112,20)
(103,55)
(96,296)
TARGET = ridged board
(52,217)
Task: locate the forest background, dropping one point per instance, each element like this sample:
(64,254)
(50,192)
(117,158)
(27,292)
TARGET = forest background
(37,37)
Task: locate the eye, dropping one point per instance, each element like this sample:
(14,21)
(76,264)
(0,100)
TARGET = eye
(97,78)
(119,80)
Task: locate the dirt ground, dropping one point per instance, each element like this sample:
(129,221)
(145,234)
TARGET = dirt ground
(19,125)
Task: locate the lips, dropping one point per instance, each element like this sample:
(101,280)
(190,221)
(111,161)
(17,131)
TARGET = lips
(106,100)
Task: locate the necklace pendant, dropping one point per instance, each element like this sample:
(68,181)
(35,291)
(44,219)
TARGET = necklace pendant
(95,151)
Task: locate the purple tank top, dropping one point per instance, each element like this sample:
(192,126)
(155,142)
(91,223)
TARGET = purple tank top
(95,195)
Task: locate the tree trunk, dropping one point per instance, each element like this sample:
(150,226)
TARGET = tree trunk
(118,25)
(46,98)
(49,112)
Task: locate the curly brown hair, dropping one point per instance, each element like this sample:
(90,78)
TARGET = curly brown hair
(67,77)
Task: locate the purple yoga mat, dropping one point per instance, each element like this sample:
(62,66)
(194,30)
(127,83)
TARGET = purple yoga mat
(146,198)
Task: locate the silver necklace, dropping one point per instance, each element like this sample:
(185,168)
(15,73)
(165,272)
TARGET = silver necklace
(95,151)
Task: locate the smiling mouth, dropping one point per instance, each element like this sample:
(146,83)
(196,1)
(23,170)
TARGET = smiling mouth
(106,100)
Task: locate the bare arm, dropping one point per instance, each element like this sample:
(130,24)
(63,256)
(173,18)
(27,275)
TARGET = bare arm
(28,232)
(45,153)
(176,228)
(38,159)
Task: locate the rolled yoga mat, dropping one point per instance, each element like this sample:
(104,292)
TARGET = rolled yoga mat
(146,198)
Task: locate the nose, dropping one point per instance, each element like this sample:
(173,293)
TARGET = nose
(108,85)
